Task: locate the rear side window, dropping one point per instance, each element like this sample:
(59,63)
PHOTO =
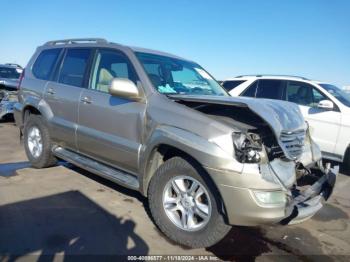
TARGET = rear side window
(272,89)
(231,84)
(45,63)
(74,66)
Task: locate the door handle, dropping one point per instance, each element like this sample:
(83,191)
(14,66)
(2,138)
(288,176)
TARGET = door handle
(86,100)
(51,91)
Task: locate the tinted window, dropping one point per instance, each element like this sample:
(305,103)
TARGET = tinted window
(251,90)
(74,66)
(303,94)
(341,95)
(272,89)
(231,84)
(8,72)
(45,63)
(109,65)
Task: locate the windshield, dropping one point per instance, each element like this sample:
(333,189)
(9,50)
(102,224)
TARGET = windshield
(175,76)
(339,94)
(7,72)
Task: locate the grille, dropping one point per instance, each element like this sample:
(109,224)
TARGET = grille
(292,143)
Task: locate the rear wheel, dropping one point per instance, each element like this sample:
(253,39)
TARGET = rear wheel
(37,142)
(184,205)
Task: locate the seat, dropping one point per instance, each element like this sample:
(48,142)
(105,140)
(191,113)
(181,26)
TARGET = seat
(302,96)
(155,79)
(104,80)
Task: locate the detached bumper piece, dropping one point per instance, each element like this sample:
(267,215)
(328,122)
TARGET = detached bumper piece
(305,203)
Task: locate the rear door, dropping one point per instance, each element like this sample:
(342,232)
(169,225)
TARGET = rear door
(110,127)
(63,93)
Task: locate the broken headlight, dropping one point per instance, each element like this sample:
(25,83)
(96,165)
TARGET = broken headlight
(248,147)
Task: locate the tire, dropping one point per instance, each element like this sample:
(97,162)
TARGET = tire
(206,235)
(44,157)
(346,161)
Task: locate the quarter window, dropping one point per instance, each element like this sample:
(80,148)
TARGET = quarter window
(45,63)
(231,84)
(74,66)
(109,65)
(251,90)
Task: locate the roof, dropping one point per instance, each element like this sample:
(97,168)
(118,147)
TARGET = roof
(270,76)
(155,52)
(11,66)
(102,41)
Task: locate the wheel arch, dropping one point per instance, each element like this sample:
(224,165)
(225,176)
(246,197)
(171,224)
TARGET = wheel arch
(162,153)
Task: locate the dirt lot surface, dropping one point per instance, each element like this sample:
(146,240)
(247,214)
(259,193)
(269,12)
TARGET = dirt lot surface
(62,211)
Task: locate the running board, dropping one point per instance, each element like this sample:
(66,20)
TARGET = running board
(115,175)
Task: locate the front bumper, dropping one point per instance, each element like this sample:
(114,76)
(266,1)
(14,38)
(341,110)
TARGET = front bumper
(243,208)
(304,204)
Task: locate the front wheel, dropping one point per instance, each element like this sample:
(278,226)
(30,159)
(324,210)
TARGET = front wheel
(184,205)
(37,142)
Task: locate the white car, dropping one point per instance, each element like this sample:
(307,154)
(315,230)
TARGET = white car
(325,107)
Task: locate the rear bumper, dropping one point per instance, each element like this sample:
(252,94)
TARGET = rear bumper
(243,208)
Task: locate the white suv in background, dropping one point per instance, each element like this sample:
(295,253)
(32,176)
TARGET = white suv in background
(324,106)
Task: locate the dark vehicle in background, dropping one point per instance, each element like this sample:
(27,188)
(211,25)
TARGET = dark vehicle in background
(9,79)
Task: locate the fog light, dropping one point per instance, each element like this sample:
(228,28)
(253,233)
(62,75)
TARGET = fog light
(271,198)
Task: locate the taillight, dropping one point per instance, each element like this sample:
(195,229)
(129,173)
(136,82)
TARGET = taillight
(20,80)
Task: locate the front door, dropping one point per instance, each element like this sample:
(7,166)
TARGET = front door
(110,127)
(324,123)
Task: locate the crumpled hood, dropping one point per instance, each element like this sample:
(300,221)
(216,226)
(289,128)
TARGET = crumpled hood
(280,115)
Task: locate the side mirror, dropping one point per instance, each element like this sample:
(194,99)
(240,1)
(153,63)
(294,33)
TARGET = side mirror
(325,104)
(125,88)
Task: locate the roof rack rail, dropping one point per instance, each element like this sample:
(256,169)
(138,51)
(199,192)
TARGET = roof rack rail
(15,65)
(77,40)
(260,75)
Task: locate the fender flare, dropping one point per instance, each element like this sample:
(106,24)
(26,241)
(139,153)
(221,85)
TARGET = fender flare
(199,148)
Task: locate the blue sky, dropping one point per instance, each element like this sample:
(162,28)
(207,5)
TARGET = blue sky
(228,38)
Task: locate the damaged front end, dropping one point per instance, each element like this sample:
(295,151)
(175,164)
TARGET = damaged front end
(7,101)
(305,183)
(281,176)
(309,193)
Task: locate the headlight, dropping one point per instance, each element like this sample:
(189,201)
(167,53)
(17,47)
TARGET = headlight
(270,198)
(248,147)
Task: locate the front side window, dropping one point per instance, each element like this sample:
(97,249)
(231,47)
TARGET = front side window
(108,65)
(175,76)
(339,94)
(45,63)
(231,84)
(74,66)
(303,94)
